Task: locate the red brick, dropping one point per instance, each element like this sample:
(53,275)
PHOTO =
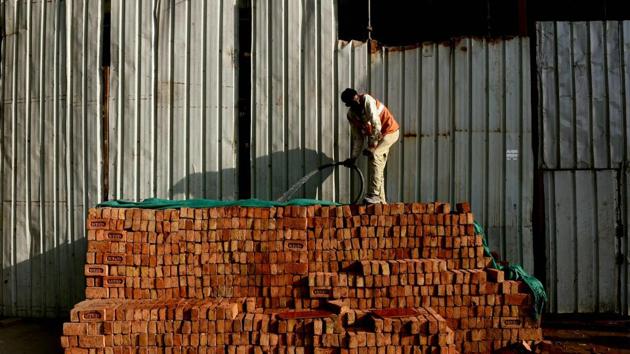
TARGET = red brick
(303,314)
(92,341)
(320,292)
(116,236)
(92,315)
(74,329)
(92,270)
(511,322)
(516,299)
(114,282)
(96,293)
(115,258)
(463,207)
(97,224)
(295,245)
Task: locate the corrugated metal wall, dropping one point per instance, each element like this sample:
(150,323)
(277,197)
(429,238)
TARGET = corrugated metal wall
(464,109)
(584,86)
(581,220)
(51,136)
(583,70)
(172,127)
(173,99)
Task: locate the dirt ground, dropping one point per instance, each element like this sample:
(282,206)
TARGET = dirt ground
(587,334)
(26,336)
(565,334)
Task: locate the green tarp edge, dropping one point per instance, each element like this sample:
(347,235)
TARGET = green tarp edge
(516,272)
(155,203)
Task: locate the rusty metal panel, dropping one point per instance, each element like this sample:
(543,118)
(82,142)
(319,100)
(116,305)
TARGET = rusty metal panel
(173,99)
(51,141)
(464,110)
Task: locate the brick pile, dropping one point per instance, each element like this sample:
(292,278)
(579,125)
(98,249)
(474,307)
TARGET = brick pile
(371,279)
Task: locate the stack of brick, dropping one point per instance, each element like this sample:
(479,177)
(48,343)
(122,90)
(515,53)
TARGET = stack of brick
(124,326)
(345,279)
(219,326)
(197,253)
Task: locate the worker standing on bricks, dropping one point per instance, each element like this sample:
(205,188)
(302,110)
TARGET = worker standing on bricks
(370,119)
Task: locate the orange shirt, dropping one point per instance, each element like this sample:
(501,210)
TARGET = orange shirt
(373,122)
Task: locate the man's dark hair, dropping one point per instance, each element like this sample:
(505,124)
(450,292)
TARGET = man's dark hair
(348,94)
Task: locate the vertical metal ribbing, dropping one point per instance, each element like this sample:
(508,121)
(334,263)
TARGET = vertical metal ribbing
(69,133)
(12,262)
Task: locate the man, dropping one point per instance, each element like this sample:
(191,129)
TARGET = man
(370,119)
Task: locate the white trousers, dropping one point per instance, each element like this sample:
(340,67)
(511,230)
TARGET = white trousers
(376,167)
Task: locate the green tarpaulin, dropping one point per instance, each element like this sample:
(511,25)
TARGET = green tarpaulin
(516,272)
(154,203)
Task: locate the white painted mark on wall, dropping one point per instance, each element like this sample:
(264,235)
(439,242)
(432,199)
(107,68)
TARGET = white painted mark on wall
(511,155)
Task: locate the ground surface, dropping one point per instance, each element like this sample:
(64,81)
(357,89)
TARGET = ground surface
(565,334)
(587,334)
(30,336)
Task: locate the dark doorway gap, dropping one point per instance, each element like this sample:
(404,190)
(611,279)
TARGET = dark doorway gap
(105,66)
(580,10)
(414,22)
(539,241)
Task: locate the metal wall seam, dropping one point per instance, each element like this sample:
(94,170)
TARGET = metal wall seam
(9,61)
(625,246)
(312,95)
(5,29)
(293,88)
(277,118)
(229,100)
(27,276)
(69,148)
(625,57)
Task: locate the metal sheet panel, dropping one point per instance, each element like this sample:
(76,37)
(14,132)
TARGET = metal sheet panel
(462,107)
(51,141)
(583,108)
(583,95)
(625,271)
(173,99)
(582,275)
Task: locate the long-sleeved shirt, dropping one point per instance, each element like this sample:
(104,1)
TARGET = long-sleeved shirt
(373,122)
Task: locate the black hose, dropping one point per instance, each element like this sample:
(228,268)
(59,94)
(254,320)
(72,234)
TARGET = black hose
(295,187)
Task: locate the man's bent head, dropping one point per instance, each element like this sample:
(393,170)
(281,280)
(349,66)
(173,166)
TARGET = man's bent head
(351,98)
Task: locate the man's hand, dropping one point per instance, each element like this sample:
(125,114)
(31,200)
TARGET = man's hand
(369,153)
(349,162)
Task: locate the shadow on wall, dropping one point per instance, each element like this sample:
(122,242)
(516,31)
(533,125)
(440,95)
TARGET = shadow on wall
(49,284)
(272,175)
